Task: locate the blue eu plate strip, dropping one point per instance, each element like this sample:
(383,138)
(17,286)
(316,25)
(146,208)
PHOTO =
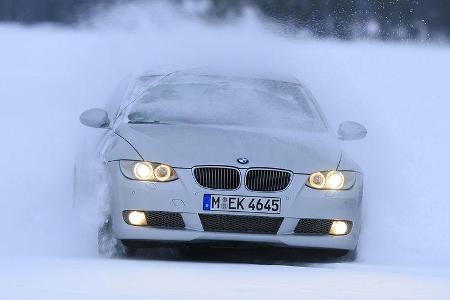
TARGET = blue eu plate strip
(207,202)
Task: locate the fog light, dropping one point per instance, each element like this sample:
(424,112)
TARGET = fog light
(137,218)
(339,228)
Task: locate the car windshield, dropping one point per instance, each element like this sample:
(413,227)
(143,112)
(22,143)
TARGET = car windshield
(214,100)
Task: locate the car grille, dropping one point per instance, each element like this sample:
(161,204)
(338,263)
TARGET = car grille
(267,180)
(313,226)
(240,224)
(164,219)
(220,178)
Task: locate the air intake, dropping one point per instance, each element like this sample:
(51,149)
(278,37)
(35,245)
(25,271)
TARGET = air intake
(266,180)
(165,220)
(313,226)
(240,224)
(218,178)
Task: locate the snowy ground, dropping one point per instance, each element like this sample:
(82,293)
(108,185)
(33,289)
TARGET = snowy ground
(48,76)
(90,278)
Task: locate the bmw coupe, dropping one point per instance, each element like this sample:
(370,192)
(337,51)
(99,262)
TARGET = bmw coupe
(195,157)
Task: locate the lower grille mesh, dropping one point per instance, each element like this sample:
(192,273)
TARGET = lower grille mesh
(164,219)
(313,226)
(240,224)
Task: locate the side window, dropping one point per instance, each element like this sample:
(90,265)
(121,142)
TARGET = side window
(119,95)
(134,91)
(316,106)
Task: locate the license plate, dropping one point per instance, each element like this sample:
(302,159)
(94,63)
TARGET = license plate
(267,205)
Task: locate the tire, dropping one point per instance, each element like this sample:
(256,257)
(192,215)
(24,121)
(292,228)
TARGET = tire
(108,246)
(351,255)
(324,255)
(340,254)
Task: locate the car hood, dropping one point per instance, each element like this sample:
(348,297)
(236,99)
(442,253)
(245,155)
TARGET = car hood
(186,146)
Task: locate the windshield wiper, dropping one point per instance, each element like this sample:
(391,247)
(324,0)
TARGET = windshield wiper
(148,122)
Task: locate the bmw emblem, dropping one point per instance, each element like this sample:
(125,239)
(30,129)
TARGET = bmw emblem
(242,160)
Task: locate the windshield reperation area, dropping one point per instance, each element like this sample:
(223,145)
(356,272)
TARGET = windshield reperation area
(214,100)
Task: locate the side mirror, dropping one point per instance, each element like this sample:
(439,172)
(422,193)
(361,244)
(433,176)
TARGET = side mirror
(95,117)
(351,131)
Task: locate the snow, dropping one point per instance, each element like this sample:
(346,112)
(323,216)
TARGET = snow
(49,75)
(68,278)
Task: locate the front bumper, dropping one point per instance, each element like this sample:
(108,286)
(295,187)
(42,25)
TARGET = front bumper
(185,196)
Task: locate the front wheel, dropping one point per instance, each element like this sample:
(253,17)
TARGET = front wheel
(325,255)
(108,246)
(340,254)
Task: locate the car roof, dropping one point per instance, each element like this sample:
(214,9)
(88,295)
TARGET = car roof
(254,74)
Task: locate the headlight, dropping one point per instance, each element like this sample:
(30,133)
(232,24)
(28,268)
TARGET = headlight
(143,170)
(147,171)
(331,180)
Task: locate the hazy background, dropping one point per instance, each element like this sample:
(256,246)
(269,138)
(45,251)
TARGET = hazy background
(375,19)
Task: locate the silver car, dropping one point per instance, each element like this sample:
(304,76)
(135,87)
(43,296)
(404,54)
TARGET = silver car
(196,158)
